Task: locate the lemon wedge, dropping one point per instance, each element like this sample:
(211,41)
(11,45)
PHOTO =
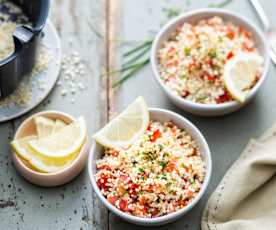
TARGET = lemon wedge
(21,147)
(35,161)
(59,124)
(126,127)
(240,73)
(63,143)
(46,126)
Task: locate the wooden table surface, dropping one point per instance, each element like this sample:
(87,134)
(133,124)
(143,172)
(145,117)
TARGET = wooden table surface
(100,31)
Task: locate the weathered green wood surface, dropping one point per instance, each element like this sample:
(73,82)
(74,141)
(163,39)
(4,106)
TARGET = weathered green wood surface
(75,206)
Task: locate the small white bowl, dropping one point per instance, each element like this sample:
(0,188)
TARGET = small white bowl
(193,17)
(63,176)
(162,116)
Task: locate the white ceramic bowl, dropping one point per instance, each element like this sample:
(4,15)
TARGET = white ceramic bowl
(159,115)
(193,17)
(63,176)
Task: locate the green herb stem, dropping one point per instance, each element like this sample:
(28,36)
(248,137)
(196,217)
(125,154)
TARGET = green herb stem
(131,73)
(137,48)
(145,50)
(221,4)
(121,70)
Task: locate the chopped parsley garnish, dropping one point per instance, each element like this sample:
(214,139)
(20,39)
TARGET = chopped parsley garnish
(212,54)
(187,51)
(163,164)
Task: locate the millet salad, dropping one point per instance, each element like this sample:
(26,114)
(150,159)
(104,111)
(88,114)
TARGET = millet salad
(158,174)
(192,60)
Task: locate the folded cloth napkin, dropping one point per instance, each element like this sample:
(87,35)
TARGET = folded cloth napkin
(246,197)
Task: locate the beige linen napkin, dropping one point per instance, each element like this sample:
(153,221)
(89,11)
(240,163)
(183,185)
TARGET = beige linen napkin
(246,197)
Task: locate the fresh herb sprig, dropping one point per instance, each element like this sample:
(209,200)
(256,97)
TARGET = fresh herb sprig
(137,57)
(221,4)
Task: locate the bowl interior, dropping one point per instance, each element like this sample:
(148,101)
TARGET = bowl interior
(162,116)
(195,16)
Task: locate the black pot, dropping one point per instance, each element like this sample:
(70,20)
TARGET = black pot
(26,39)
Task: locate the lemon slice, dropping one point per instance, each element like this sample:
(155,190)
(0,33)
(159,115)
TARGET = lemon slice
(44,126)
(48,166)
(35,161)
(59,124)
(21,147)
(126,127)
(240,73)
(63,143)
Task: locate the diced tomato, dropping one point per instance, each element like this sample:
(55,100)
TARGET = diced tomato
(123,205)
(171,50)
(240,29)
(246,47)
(247,34)
(223,98)
(210,62)
(183,202)
(154,212)
(115,153)
(155,135)
(191,64)
(132,189)
(171,165)
(185,93)
(102,182)
(149,128)
(211,77)
(106,167)
(140,211)
(230,33)
(172,62)
(142,200)
(230,55)
(112,199)
(144,210)
(151,188)
(124,179)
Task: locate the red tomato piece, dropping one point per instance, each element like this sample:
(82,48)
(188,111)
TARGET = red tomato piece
(210,62)
(246,47)
(247,34)
(155,135)
(106,167)
(132,189)
(223,98)
(211,77)
(185,93)
(154,212)
(123,205)
(140,211)
(230,33)
(230,55)
(102,182)
(112,199)
(115,153)
(171,165)
(151,188)
(142,200)
(124,179)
